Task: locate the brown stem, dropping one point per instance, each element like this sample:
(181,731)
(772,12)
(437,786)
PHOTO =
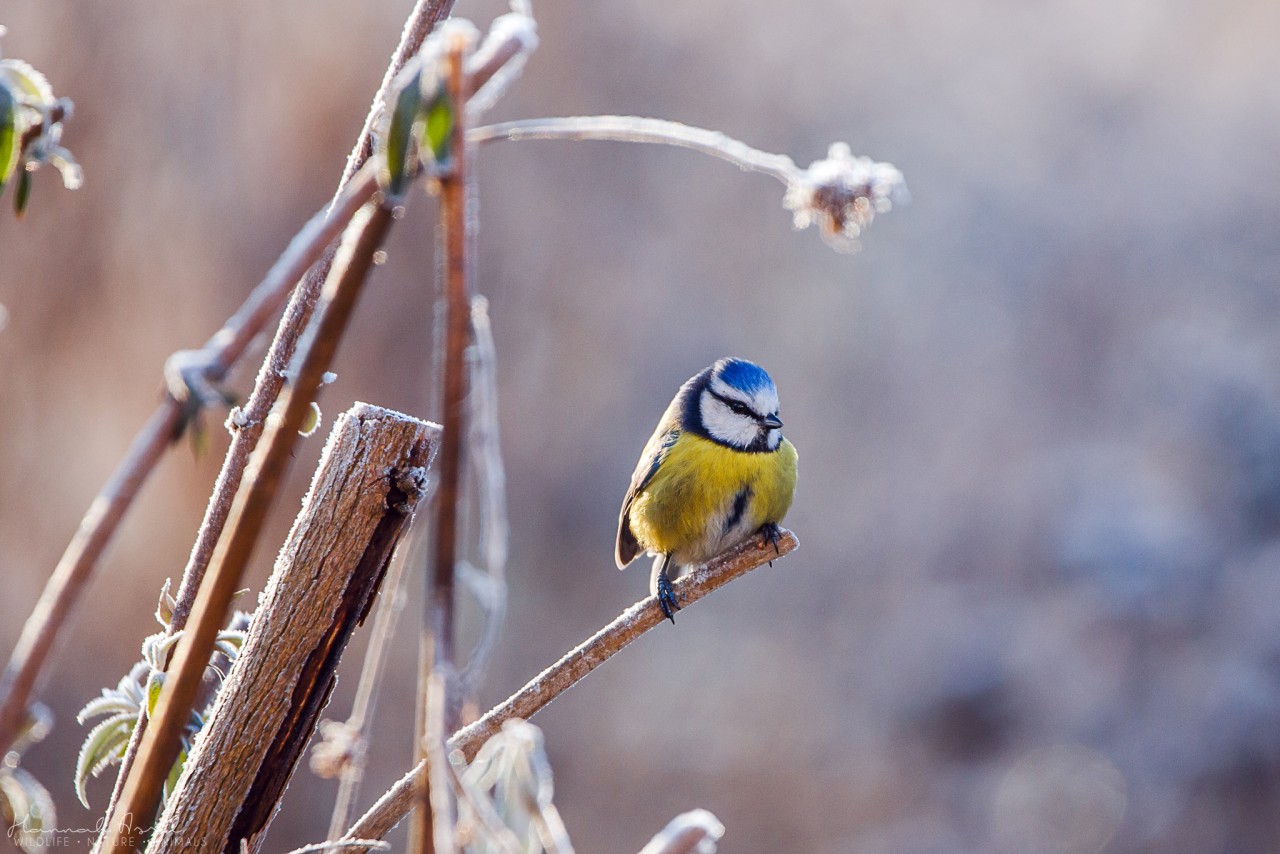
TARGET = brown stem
(437,651)
(159,746)
(401,798)
(425,15)
(224,349)
(368,481)
(81,557)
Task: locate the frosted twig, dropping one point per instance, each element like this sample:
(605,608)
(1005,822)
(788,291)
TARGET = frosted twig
(350,764)
(401,798)
(421,21)
(637,129)
(440,791)
(693,832)
(210,364)
(159,745)
(341,844)
(484,457)
(500,58)
(249,422)
(437,651)
(840,193)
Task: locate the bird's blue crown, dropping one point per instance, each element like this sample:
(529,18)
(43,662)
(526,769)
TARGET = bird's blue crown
(742,375)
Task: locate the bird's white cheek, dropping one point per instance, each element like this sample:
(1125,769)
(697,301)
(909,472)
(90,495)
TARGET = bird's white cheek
(725,425)
(773,440)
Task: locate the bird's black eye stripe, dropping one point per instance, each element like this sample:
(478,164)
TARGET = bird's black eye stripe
(736,405)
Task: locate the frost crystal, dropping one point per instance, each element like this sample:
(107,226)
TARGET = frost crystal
(842,194)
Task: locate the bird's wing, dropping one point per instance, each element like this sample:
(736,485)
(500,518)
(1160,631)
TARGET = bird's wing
(654,452)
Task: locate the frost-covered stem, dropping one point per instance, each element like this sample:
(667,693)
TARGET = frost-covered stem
(637,129)
(401,798)
(371,674)
(687,833)
(423,18)
(484,458)
(230,342)
(437,653)
(221,352)
(159,745)
(438,789)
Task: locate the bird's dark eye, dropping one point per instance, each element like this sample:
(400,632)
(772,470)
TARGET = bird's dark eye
(739,408)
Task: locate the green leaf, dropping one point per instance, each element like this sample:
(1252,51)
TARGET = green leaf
(174,773)
(9,135)
(154,685)
(104,745)
(20,197)
(400,134)
(439,126)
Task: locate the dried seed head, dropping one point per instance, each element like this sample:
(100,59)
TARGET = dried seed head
(842,194)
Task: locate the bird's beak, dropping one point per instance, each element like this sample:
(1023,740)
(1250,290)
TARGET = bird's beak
(773,422)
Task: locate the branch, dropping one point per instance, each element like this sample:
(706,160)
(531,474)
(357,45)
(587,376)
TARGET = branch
(159,746)
(221,352)
(636,129)
(436,662)
(401,798)
(330,568)
(841,193)
(341,751)
(423,18)
(687,833)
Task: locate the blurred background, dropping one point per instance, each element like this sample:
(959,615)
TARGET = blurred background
(1037,602)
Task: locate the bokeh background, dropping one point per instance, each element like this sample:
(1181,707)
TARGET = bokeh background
(1037,602)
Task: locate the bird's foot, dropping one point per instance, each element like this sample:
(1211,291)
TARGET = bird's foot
(667,600)
(771,532)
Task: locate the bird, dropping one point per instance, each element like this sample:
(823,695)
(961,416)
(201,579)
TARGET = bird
(716,471)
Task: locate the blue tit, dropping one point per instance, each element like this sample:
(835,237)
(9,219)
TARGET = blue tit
(715,471)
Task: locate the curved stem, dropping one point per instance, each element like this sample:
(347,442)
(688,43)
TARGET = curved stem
(637,129)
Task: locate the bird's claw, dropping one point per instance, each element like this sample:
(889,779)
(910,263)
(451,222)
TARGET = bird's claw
(667,600)
(771,532)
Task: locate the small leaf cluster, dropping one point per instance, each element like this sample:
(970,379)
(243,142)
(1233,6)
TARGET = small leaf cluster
(417,128)
(31,121)
(106,743)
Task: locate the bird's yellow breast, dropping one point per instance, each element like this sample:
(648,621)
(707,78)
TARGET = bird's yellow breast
(705,497)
